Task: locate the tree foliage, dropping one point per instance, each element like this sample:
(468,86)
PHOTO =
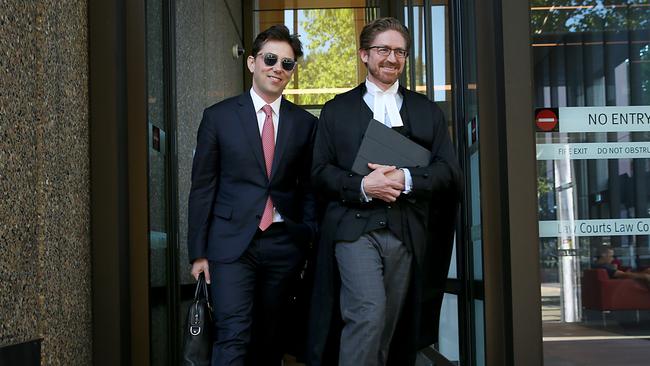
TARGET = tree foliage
(588,15)
(594,20)
(331,60)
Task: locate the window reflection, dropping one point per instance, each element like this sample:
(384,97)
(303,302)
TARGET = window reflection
(329,32)
(330,64)
(591,54)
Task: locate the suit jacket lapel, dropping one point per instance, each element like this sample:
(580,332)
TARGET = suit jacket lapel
(365,112)
(407,107)
(404,111)
(285,125)
(248,120)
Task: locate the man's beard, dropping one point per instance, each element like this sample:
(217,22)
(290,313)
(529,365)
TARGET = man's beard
(375,71)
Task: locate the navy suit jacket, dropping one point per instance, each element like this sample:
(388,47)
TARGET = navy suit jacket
(230,184)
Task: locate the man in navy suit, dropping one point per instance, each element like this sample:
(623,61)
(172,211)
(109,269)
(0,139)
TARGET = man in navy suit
(251,210)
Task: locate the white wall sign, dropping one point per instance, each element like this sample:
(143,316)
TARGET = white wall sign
(607,150)
(611,227)
(604,119)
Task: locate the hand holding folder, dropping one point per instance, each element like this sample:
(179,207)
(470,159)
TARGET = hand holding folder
(385,146)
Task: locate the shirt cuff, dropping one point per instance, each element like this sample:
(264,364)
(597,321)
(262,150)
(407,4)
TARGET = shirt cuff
(364,197)
(408,181)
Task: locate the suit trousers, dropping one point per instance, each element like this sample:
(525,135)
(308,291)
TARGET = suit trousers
(375,275)
(249,296)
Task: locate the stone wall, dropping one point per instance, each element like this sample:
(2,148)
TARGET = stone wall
(44,179)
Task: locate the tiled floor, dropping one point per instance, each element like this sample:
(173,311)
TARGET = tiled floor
(580,344)
(575,344)
(623,352)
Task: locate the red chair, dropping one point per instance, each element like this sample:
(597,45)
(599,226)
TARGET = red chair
(599,292)
(604,294)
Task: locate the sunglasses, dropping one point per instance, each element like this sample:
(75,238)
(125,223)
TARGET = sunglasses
(271,59)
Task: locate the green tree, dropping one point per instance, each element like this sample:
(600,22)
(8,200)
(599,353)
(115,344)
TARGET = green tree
(331,60)
(588,15)
(564,21)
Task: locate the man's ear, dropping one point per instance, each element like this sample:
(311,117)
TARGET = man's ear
(250,62)
(363,54)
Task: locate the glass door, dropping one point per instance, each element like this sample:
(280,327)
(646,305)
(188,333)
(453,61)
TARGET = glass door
(472,344)
(162,232)
(442,65)
(591,80)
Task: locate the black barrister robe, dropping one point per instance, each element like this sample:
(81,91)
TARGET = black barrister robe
(424,220)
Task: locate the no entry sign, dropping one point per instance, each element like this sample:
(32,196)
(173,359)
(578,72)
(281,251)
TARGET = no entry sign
(546,119)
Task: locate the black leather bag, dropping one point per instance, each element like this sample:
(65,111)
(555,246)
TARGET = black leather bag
(197,344)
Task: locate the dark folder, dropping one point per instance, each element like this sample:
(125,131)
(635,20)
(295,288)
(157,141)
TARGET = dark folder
(383,145)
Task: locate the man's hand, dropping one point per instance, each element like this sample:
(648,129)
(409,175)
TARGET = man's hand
(378,185)
(201,265)
(397,175)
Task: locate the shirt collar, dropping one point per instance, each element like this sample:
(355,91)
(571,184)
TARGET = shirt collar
(258,103)
(374,89)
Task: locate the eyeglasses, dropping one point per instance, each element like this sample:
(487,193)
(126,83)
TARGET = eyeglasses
(271,59)
(385,51)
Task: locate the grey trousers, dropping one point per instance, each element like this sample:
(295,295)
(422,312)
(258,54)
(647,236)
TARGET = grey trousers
(375,274)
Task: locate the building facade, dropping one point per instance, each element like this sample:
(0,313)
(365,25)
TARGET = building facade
(547,102)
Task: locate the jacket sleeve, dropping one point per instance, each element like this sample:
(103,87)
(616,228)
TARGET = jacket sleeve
(328,177)
(443,173)
(205,181)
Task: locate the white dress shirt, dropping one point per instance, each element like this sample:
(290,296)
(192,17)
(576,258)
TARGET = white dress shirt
(258,103)
(389,118)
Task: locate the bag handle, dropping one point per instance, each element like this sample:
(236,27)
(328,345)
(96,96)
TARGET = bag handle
(201,287)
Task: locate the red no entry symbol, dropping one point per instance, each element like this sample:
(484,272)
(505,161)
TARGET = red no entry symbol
(546,120)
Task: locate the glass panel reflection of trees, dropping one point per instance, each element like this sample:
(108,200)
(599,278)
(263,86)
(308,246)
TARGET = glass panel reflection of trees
(591,53)
(329,36)
(330,63)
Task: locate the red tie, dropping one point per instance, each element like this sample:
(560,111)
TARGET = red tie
(268,145)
